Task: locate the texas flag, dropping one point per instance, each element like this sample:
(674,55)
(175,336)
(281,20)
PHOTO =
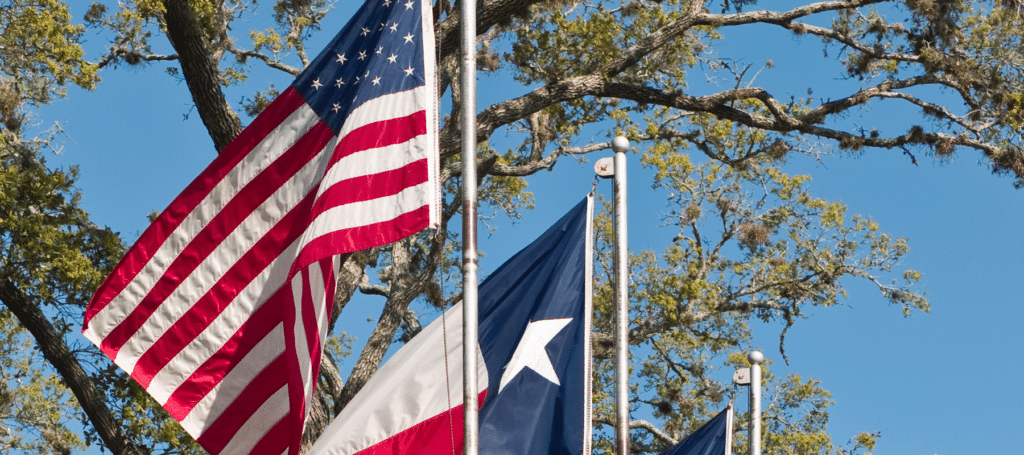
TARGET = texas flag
(534,364)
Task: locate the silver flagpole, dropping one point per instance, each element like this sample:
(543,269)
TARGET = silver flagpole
(728,429)
(471,437)
(755,358)
(619,146)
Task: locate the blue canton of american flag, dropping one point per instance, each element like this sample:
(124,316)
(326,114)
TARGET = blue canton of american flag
(378,53)
(220,309)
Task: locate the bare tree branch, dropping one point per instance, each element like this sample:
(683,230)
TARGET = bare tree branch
(56,351)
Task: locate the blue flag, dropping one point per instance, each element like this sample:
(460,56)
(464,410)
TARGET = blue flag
(713,438)
(534,336)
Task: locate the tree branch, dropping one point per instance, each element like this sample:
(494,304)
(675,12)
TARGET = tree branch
(131,57)
(56,351)
(273,63)
(641,424)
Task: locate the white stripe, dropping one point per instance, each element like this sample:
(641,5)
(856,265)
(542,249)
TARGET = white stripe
(376,160)
(390,106)
(298,330)
(222,258)
(273,145)
(267,151)
(322,316)
(220,397)
(433,139)
(307,363)
(365,213)
(430,87)
(588,309)
(227,323)
(319,291)
(259,423)
(413,386)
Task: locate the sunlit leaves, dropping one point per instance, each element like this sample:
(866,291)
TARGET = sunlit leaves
(752,244)
(47,247)
(49,251)
(35,406)
(39,42)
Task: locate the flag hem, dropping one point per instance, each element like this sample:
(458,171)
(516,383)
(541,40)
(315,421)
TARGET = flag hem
(588,292)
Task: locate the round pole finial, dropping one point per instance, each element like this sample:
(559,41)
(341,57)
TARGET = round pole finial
(755,357)
(620,144)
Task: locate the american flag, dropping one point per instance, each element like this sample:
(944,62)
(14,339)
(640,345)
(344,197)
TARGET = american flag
(220,309)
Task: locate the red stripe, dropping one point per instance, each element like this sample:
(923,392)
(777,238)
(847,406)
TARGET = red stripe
(370,187)
(296,391)
(312,334)
(211,372)
(190,197)
(306,317)
(309,319)
(241,206)
(275,441)
(208,307)
(314,343)
(269,381)
(272,116)
(363,237)
(332,286)
(380,134)
(296,394)
(441,434)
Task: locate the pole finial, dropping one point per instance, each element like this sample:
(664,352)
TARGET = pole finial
(620,144)
(755,357)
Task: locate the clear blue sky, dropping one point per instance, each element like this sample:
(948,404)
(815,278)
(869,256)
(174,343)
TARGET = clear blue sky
(943,383)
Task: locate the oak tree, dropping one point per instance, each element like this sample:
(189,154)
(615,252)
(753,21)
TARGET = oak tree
(750,242)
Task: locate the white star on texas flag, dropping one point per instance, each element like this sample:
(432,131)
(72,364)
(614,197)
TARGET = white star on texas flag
(531,353)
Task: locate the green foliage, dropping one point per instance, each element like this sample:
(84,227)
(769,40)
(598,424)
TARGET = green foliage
(794,414)
(39,56)
(49,249)
(35,406)
(46,247)
(39,50)
(52,253)
(144,419)
(752,244)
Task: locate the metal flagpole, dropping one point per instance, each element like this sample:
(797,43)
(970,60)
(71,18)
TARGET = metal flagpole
(728,429)
(619,146)
(471,437)
(755,358)
(605,168)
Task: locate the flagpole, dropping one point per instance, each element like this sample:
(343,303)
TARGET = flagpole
(728,428)
(471,437)
(755,358)
(619,146)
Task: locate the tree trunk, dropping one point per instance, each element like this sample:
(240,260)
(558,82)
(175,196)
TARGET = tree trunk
(201,73)
(376,346)
(329,383)
(56,351)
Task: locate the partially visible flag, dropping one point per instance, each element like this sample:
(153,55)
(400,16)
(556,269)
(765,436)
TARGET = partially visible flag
(712,438)
(219,310)
(534,335)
